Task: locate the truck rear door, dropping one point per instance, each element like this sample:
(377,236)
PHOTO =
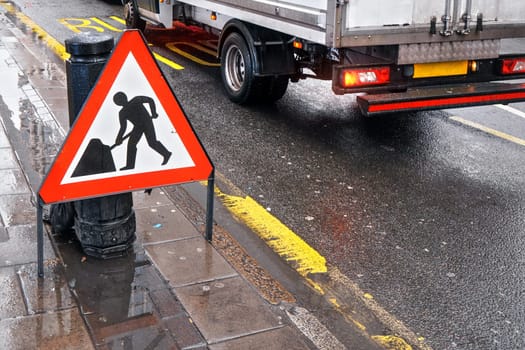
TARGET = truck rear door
(385,22)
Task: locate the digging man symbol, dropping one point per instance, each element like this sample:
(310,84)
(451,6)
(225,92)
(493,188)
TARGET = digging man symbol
(136,113)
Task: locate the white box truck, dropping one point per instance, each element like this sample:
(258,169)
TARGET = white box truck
(399,55)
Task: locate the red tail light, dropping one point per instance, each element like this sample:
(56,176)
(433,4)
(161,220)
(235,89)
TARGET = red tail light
(513,66)
(355,77)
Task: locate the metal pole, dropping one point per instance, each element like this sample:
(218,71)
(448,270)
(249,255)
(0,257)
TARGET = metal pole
(40,238)
(209,206)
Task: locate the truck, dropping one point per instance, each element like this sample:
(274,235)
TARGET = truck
(396,56)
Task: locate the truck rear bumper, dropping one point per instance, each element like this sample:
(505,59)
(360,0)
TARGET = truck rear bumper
(441,97)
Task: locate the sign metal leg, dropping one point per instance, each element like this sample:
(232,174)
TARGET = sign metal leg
(40,239)
(209,206)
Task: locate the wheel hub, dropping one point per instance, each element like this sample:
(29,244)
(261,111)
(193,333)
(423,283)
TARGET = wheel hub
(235,68)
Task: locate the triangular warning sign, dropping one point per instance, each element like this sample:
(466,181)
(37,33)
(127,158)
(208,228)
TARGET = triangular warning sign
(131,133)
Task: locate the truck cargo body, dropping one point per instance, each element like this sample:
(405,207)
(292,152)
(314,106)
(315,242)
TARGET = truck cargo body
(405,54)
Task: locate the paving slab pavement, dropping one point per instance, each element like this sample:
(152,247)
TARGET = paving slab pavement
(34,313)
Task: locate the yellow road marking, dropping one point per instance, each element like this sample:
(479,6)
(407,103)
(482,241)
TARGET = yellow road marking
(53,44)
(306,260)
(74,24)
(104,24)
(391,342)
(87,23)
(167,62)
(195,46)
(490,131)
(279,237)
(159,57)
(77,24)
(173,47)
(118,19)
(403,333)
(339,308)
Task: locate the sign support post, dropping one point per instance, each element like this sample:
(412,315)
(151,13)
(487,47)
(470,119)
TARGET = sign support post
(40,236)
(209,206)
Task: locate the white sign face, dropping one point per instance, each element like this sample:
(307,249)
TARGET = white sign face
(132,115)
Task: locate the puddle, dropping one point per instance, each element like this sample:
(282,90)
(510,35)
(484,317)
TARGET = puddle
(10,75)
(114,295)
(26,117)
(117,296)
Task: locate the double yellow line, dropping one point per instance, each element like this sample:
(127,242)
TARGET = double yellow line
(51,42)
(307,262)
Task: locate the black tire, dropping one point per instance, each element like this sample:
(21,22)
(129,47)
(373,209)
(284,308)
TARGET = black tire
(132,17)
(237,70)
(274,88)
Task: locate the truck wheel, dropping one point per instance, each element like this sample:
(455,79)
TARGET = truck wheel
(274,88)
(237,70)
(132,17)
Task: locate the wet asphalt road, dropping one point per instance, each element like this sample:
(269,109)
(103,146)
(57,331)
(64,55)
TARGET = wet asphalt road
(421,211)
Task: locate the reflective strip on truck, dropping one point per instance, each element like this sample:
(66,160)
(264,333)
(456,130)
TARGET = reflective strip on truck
(441,98)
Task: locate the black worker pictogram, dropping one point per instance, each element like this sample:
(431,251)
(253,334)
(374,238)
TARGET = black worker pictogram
(136,113)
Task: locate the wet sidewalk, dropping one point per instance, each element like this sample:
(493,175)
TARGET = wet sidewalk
(174,291)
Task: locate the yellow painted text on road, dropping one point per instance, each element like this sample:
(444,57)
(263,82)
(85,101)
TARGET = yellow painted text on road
(157,56)
(105,24)
(79,25)
(118,19)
